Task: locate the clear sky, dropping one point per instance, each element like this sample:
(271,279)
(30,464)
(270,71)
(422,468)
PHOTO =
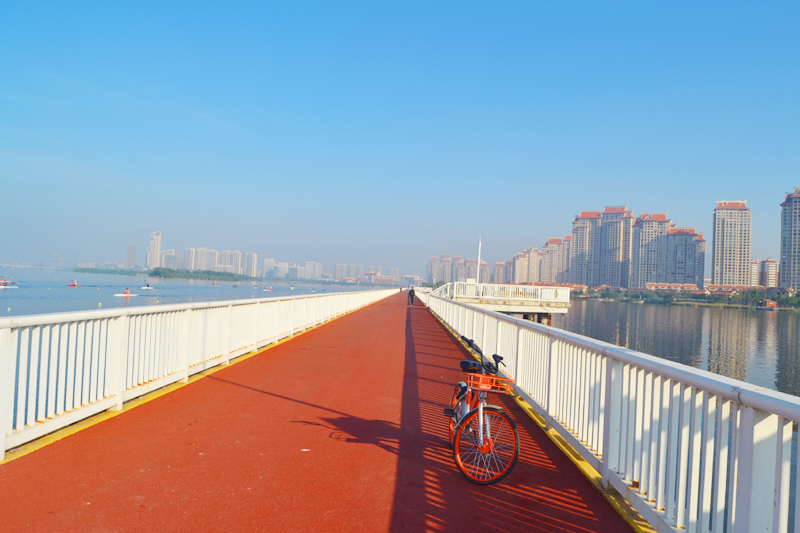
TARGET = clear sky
(380,133)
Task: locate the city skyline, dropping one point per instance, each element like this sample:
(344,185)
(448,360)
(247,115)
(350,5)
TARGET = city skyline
(366,135)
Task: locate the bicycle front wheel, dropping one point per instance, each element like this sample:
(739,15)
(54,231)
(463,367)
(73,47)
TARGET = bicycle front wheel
(491,461)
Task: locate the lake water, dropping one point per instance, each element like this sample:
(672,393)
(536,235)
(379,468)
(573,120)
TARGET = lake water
(759,347)
(46,291)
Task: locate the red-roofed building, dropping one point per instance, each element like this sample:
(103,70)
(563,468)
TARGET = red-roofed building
(686,257)
(616,246)
(730,259)
(649,254)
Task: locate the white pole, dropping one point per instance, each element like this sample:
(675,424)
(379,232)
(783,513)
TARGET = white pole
(478,275)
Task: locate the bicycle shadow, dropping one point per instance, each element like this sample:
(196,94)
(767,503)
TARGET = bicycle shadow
(354,430)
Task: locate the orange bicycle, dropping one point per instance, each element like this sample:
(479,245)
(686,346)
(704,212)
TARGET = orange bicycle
(485,440)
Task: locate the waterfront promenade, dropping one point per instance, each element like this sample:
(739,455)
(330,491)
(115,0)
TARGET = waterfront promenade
(339,429)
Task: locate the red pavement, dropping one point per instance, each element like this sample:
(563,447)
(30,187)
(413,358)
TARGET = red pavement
(340,429)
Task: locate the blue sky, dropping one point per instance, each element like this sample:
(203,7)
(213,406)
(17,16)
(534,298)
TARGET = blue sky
(382,134)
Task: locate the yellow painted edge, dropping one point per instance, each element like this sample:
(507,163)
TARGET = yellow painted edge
(59,434)
(620,504)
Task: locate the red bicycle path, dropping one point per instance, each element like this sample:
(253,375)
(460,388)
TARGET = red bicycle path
(339,429)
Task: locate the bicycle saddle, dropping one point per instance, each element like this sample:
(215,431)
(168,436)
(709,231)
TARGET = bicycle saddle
(473,367)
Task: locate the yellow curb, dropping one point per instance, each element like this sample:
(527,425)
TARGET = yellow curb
(59,434)
(620,504)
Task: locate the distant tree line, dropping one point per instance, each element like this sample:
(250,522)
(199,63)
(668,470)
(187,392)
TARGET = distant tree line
(747,298)
(119,272)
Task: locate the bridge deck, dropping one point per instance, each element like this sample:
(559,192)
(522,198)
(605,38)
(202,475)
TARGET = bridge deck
(340,429)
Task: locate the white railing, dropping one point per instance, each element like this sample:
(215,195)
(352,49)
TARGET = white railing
(498,291)
(57,369)
(690,450)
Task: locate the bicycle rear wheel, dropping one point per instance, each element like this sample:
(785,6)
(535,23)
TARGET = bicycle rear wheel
(488,463)
(457,405)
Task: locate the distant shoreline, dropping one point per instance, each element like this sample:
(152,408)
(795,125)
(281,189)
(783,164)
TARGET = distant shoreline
(205,275)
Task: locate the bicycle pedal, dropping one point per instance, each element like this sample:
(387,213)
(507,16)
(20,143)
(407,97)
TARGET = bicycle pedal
(450,413)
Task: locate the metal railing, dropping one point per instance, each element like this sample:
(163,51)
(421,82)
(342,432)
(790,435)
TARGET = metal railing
(498,291)
(690,450)
(57,369)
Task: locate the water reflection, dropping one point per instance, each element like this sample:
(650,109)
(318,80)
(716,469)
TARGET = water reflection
(759,347)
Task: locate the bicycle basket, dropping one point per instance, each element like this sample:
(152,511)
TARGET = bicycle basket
(482,383)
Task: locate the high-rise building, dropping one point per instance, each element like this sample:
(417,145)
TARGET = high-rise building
(394,272)
(266,270)
(520,262)
(755,271)
(131,262)
(535,258)
(499,272)
(686,256)
(445,269)
(616,244)
(649,254)
(472,268)
(296,272)
(483,273)
(459,270)
(585,249)
(730,258)
(154,251)
(168,259)
(508,272)
(205,259)
(230,261)
(433,270)
(375,269)
(189,258)
(768,273)
(313,270)
(280,270)
(250,264)
(353,271)
(340,271)
(790,241)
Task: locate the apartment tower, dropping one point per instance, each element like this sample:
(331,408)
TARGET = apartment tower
(584,249)
(730,258)
(790,241)
(154,251)
(649,253)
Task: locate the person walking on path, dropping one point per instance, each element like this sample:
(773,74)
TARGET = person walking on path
(411,296)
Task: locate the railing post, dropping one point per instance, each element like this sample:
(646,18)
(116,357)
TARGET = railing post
(611,418)
(121,359)
(187,344)
(228,336)
(548,393)
(756,472)
(6,389)
(291,320)
(255,329)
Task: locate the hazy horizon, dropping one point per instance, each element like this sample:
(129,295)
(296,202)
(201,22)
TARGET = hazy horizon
(385,134)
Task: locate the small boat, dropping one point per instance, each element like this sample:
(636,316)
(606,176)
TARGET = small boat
(767,305)
(147,286)
(74,284)
(6,284)
(126,295)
